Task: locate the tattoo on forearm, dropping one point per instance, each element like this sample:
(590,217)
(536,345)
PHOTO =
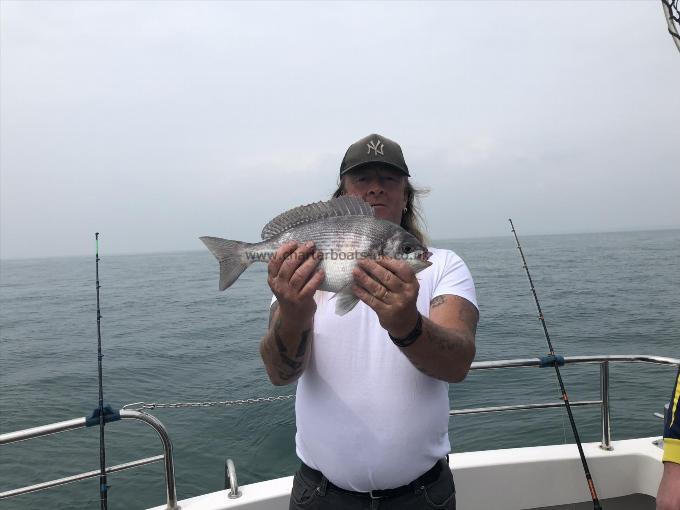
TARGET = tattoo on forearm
(293,366)
(287,376)
(302,347)
(443,344)
(280,346)
(437,301)
(440,337)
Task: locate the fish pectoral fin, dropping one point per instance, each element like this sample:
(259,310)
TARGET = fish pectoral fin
(346,301)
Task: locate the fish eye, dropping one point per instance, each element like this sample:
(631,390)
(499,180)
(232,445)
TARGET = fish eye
(407,249)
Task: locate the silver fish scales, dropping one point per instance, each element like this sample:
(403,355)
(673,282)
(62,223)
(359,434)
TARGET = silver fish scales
(343,229)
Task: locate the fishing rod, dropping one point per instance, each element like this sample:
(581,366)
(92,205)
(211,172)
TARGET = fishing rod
(103,486)
(554,360)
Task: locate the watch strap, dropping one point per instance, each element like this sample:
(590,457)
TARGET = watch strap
(411,337)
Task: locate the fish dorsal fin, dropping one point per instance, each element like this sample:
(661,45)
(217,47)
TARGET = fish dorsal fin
(345,205)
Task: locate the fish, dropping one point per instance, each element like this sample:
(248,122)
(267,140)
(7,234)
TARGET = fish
(344,230)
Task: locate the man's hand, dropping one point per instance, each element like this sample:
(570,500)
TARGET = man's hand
(389,287)
(293,280)
(668,497)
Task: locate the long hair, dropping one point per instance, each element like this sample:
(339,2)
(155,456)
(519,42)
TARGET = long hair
(412,220)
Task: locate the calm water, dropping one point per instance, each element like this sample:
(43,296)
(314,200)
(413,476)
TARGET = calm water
(170,336)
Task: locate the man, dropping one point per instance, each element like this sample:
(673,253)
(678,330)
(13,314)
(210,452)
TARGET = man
(668,497)
(372,402)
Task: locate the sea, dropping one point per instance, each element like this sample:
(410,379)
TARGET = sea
(169,336)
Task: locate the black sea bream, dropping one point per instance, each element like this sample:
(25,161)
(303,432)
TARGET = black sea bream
(343,229)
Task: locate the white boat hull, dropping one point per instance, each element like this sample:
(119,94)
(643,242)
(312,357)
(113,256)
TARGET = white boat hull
(626,478)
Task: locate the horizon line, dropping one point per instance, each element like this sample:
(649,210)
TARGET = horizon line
(464,238)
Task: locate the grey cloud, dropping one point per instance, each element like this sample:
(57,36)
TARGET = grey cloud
(158,122)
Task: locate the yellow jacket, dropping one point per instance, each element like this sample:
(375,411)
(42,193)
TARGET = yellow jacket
(671,434)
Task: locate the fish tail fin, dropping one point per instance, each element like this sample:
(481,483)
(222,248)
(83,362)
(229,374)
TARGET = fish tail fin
(232,256)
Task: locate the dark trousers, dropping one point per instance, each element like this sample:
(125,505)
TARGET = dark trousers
(317,493)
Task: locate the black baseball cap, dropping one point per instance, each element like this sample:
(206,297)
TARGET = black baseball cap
(373,149)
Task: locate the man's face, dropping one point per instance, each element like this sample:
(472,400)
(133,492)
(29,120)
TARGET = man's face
(382,187)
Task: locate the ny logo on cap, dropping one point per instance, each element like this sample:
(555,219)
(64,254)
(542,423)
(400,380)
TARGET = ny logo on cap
(376,147)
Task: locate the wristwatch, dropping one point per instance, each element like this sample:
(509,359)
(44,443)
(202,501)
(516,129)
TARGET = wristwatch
(411,337)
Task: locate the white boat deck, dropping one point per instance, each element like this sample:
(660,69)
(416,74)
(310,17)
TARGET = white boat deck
(541,477)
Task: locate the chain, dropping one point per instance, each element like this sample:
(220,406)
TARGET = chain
(138,406)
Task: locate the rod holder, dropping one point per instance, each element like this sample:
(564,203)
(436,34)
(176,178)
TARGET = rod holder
(604,396)
(230,481)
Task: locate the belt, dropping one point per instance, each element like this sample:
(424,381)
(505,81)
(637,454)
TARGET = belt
(430,476)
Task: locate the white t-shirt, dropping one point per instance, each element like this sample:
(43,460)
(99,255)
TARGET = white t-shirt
(366,417)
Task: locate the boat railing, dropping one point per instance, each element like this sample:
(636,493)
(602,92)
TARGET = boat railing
(549,361)
(603,402)
(79,423)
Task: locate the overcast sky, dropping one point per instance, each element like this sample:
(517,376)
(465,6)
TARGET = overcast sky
(157,122)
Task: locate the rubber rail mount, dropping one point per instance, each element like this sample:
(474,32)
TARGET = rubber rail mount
(549,361)
(110,414)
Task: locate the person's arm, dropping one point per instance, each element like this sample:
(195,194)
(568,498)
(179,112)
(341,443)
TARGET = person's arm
(286,347)
(668,496)
(446,347)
